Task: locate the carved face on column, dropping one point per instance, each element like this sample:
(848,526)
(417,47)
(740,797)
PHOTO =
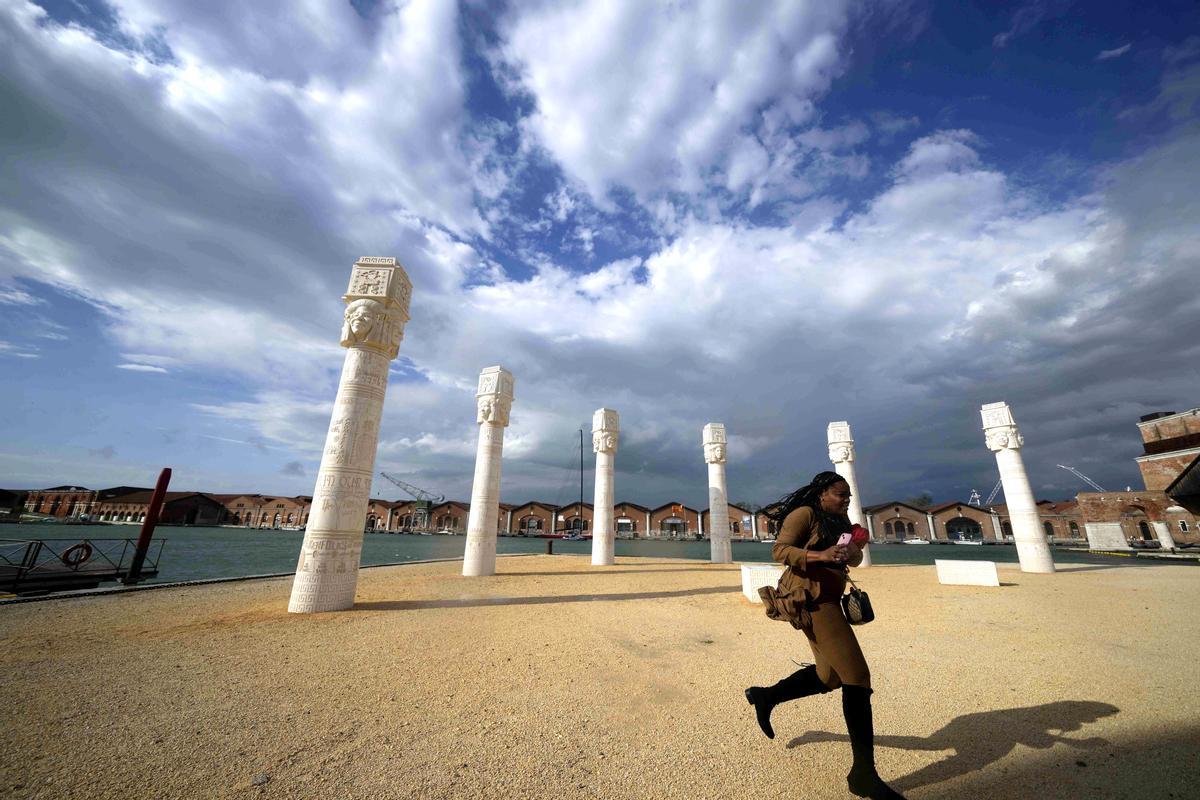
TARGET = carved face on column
(492,409)
(839,453)
(714,453)
(1000,438)
(604,442)
(364,322)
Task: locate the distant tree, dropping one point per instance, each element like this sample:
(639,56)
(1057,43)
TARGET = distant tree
(923,500)
(753,508)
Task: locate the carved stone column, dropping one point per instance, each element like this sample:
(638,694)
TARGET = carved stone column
(1003,439)
(376,311)
(606,426)
(493,403)
(841,453)
(718,497)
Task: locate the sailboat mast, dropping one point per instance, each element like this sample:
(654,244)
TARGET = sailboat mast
(581,480)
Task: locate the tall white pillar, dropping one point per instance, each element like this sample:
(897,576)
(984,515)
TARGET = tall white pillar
(376,311)
(718,497)
(493,401)
(1003,439)
(606,426)
(841,453)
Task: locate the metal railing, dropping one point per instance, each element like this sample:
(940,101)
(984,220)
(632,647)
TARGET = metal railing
(42,563)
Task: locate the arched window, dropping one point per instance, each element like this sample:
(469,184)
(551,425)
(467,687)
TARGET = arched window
(735,527)
(887,529)
(1183,528)
(772,528)
(1145,530)
(1074,530)
(1006,526)
(1048,528)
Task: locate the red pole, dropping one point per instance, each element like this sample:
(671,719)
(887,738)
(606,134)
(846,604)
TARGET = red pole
(143,543)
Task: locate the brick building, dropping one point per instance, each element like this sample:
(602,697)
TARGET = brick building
(674,521)
(1170,443)
(61,501)
(741,523)
(178,508)
(631,520)
(532,519)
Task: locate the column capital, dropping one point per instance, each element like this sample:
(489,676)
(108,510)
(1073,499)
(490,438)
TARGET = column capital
(606,428)
(714,443)
(1000,428)
(377,301)
(493,399)
(841,443)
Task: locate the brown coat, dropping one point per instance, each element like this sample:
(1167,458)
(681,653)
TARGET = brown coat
(802,585)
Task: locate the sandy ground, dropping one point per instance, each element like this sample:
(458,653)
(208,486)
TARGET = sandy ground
(557,679)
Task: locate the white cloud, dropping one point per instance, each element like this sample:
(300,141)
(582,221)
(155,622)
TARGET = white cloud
(18,297)
(1116,52)
(680,85)
(141,368)
(16,351)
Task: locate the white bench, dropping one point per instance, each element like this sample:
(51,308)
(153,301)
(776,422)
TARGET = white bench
(967,573)
(756,576)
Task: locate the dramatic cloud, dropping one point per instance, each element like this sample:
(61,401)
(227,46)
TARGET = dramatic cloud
(690,98)
(672,212)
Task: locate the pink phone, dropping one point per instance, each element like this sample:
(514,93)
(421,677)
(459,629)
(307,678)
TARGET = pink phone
(844,539)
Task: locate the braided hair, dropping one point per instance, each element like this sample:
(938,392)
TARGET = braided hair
(831,525)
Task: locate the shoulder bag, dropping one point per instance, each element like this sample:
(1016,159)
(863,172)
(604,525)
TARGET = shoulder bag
(856,605)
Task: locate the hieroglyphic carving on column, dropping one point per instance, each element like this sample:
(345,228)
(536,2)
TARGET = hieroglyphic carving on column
(841,444)
(999,427)
(377,301)
(714,443)
(493,403)
(606,428)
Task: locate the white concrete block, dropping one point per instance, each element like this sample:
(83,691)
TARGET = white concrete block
(967,573)
(756,576)
(1106,536)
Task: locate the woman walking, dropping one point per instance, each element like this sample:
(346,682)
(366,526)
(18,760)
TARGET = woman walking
(810,521)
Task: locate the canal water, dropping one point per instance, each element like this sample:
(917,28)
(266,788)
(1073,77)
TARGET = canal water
(194,553)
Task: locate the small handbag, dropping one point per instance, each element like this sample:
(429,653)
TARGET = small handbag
(856,605)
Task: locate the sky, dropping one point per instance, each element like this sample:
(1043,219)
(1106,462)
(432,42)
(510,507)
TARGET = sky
(769,215)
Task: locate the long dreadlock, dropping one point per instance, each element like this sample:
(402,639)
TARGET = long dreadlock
(831,525)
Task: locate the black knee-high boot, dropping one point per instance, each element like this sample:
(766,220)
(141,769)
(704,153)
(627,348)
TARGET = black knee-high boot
(801,683)
(863,780)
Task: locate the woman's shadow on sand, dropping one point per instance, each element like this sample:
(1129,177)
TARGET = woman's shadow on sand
(983,738)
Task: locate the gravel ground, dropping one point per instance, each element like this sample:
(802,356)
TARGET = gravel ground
(556,679)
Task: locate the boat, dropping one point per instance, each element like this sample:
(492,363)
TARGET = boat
(965,541)
(574,537)
(914,541)
(767,541)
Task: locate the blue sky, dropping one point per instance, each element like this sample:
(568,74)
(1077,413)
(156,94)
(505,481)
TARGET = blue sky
(766,215)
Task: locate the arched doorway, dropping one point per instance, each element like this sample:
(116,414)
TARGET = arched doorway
(963,529)
(674,526)
(1135,524)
